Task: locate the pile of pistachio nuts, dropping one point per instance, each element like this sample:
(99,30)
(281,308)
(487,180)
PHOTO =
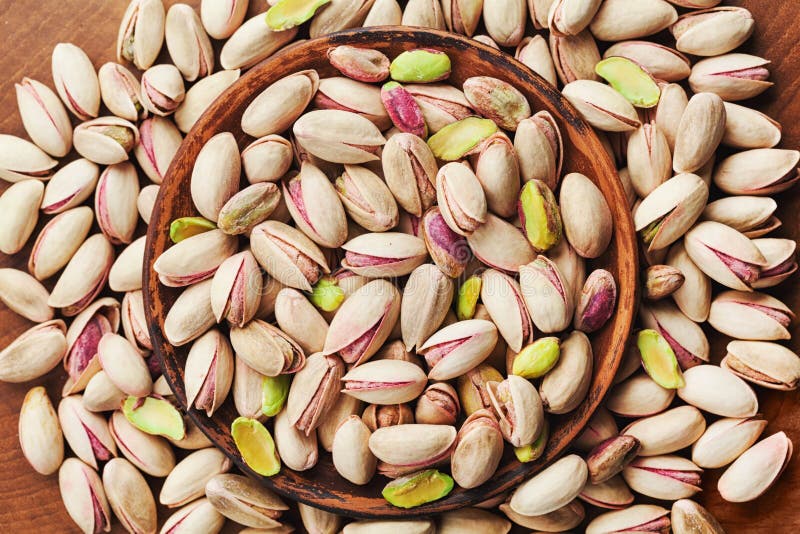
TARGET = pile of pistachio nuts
(432,268)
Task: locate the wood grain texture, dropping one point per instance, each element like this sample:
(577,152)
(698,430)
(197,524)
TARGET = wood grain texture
(28,31)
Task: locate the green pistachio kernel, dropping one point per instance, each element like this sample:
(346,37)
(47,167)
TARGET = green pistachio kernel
(418,488)
(256,446)
(185,227)
(422,65)
(536,359)
(539,215)
(287,14)
(659,360)
(274,390)
(326,294)
(154,415)
(459,138)
(468,295)
(534,451)
(630,80)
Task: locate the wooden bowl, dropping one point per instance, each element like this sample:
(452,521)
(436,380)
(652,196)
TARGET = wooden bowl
(322,486)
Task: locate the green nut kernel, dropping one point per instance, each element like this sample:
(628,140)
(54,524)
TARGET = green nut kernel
(534,451)
(274,390)
(659,360)
(326,294)
(539,215)
(460,138)
(256,446)
(186,227)
(536,359)
(630,80)
(287,14)
(418,488)
(156,416)
(468,295)
(422,65)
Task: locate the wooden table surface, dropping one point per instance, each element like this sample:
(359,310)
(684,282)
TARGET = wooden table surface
(28,31)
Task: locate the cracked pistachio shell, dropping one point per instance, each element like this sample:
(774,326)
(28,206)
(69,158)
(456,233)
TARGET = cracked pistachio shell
(315,206)
(668,431)
(462,16)
(187,42)
(299,319)
(497,100)
(611,457)
(367,199)
(725,440)
(636,518)
(568,516)
(245,501)
(534,53)
(766,364)
(280,104)
(287,254)
(601,106)
(441,104)
(86,432)
(694,296)
(750,316)
(570,17)
(718,391)
(575,56)
(724,254)
(105,140)
(314,391)
(121,92)
(659,360)
(631,80)
(688,517)
(461,138)
(601,426)
(70,186)
(126,271)
(662,62)
(83,335)
(124,365)
(427,296)
(699,133)
(472,387)
(762,171)
(461,198)
(403,110)
(639,396)
(385,382)
(547,295)
(649,158)
(618,20)
(101,394)
(361,98)
(267,349)
(188,479)
(339,15)
(755,471)
(191,314)
(502,297)
(84,276)
(236,289)
(200,95)
(297,451)
(380,415)
(40,432)
(781,263)
(438,405)
(552,488)
(216,174)
(670,210)
(540,149)
(76,80)
(479,449)
(20,160)
(159,140)
(748,128)
(505,20)
(748,214)
(19,213)
(499,244)
(687,339)
(664,477)
(222,18)
(567,384)
(256,446)
(252,42)
(518,407)
(209,371)
(733,77)
(350,451)
(587,219)
(714,31)
(195,258)
(338,136)
(141,33)
(115,202)
(459,347)
(410,169)
(413,445)
(83,496)
(267,159)
(129,496)
(196,516)
(384,254)
(44,117)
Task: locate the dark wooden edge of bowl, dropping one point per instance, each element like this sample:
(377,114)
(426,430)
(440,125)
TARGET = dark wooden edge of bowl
(295,485)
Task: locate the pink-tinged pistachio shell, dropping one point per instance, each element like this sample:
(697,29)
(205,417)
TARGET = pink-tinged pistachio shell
(209,372)
(686,338)
(84,276)
(298,318)
(759,172)
(344,408)
(410,171)
(441,104)
(115,202)
(461,198)
(403,109)
(438,405)
(199,515)
(668,431)
(106,140)
(755,471)
(159,140)
(44,117)
(76,80)
(750,215)
(502,297)
(267,159)
(377,416)
(714,31)
(338,136)
(252,42)
(649,158)
(280,104)
(566,385)
(427,296)
(462,16)
(424,14)
(267,349)
(724,254)
(101,394)
(610,457)
(550,489)
(121,92)
(315,207)
(662,281)
(732,76)
(718,391)
(362,64)
(570,17)
(236,289)
(631,80)
(500,245)
(518,408)
(669,112)
(479,448)
(86,432)
(21,160)
(457,348)
(246,501)
(618,20)
(725,440)
(83,337)
(344,94)
(664,477)
(70,186)
(413,445)
(19,213)
(221,19)
(597,301)
(216,174)
(386,254)
(540,149)
(200,96)
(781,263)
(134,323)
(187,42)
(448,250)
(505,21)
(314,391)
(766,364)
(575,56)
(694,296)
(612,494)
(194,259)
(600,427)
(83,496)
(124,365)
(497,100)
(141,32)
(367,199)
(637,518)
(385,382)
(40,434)
(287,254)
(547,295)
(748,128)
(297,451)
(126,271)
(639,396)
(34,353)
(601,106)
(188,479)
(750,316)
(662,62)
(191,314)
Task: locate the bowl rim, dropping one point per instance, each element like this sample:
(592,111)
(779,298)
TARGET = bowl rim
(627,290)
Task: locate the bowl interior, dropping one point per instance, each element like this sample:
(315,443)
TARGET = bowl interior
(322,486)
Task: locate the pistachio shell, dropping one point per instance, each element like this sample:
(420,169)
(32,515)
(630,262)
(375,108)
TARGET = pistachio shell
(252,42)
(40,434)
(245,501)
(755,471)
(19,212)
(83,496)
(44,117)
(551,488)
(188,479)
(725,440)
(668,431)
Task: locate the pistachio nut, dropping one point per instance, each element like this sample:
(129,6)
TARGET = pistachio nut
(574,56)
(344,408)
(267,349)
(253,392)
(413,445)
(755,471)
(597,301)
(377,416)
(83,496)
(245,501)
(141,33)
(19,209)
(664,477)
(215,175)
(694,296)
(649,158)
(221,19)
(350,450)
(539,215)
(699,133)
(631,80)
(126,271)
(662,281)
(129,496)
(287,254)
(403,109)
(101,394)
(611,457)
(280,104)
(540,149)
(766,364)
(367,199)
(194,438)
(441,104)
(315,207)
(76,80)
(472,388)
(299,319)
(191,314)
(386,526)
(662,62)
(724,254)
(314,391)
(502,297)
(159,140)
(121,92)
(438,405)
(639,396)
(462,16)
(567,384)
(568,516)
(70,186)
(256,446)
(688,516)
(759,172)
(618,20)
(552,488)
(83,337)
(154,415)
(187,42)
(547,295)
(186,227)
(497,100)
(505,21)
(197,515)
(725,440)
(472,521)
(338,136)
(200,96)
(252,42)
(327,295)
(747,128)
(461,198)
(570,17)
(124,365)
(209,371)
(780,257)
(86,432)
(537,359)
(339,15)
(479,449)
(195,258)
(319,521)
(106,140)
(750,215)
(590,232)
(384,13)
(427,296)
(686,338)
(361,64)
(468,295)
(719,391)
(636,518)
(44,117)
(385,382)
(457,348)
(267,159)
(750,315)
(418,488)
(668,431)
(340,93)
(40,434)
(601,426)
(534,53)
(733,77)
(162,89)
(20,160)
(612,494)
(712,32)
(385,254)
(518,407)
(410,169)
(669,112)
(601,106)
(188,479)
(424,14)
(84,276)
(500,245)
(115,202)
(631,362)
(659,360)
